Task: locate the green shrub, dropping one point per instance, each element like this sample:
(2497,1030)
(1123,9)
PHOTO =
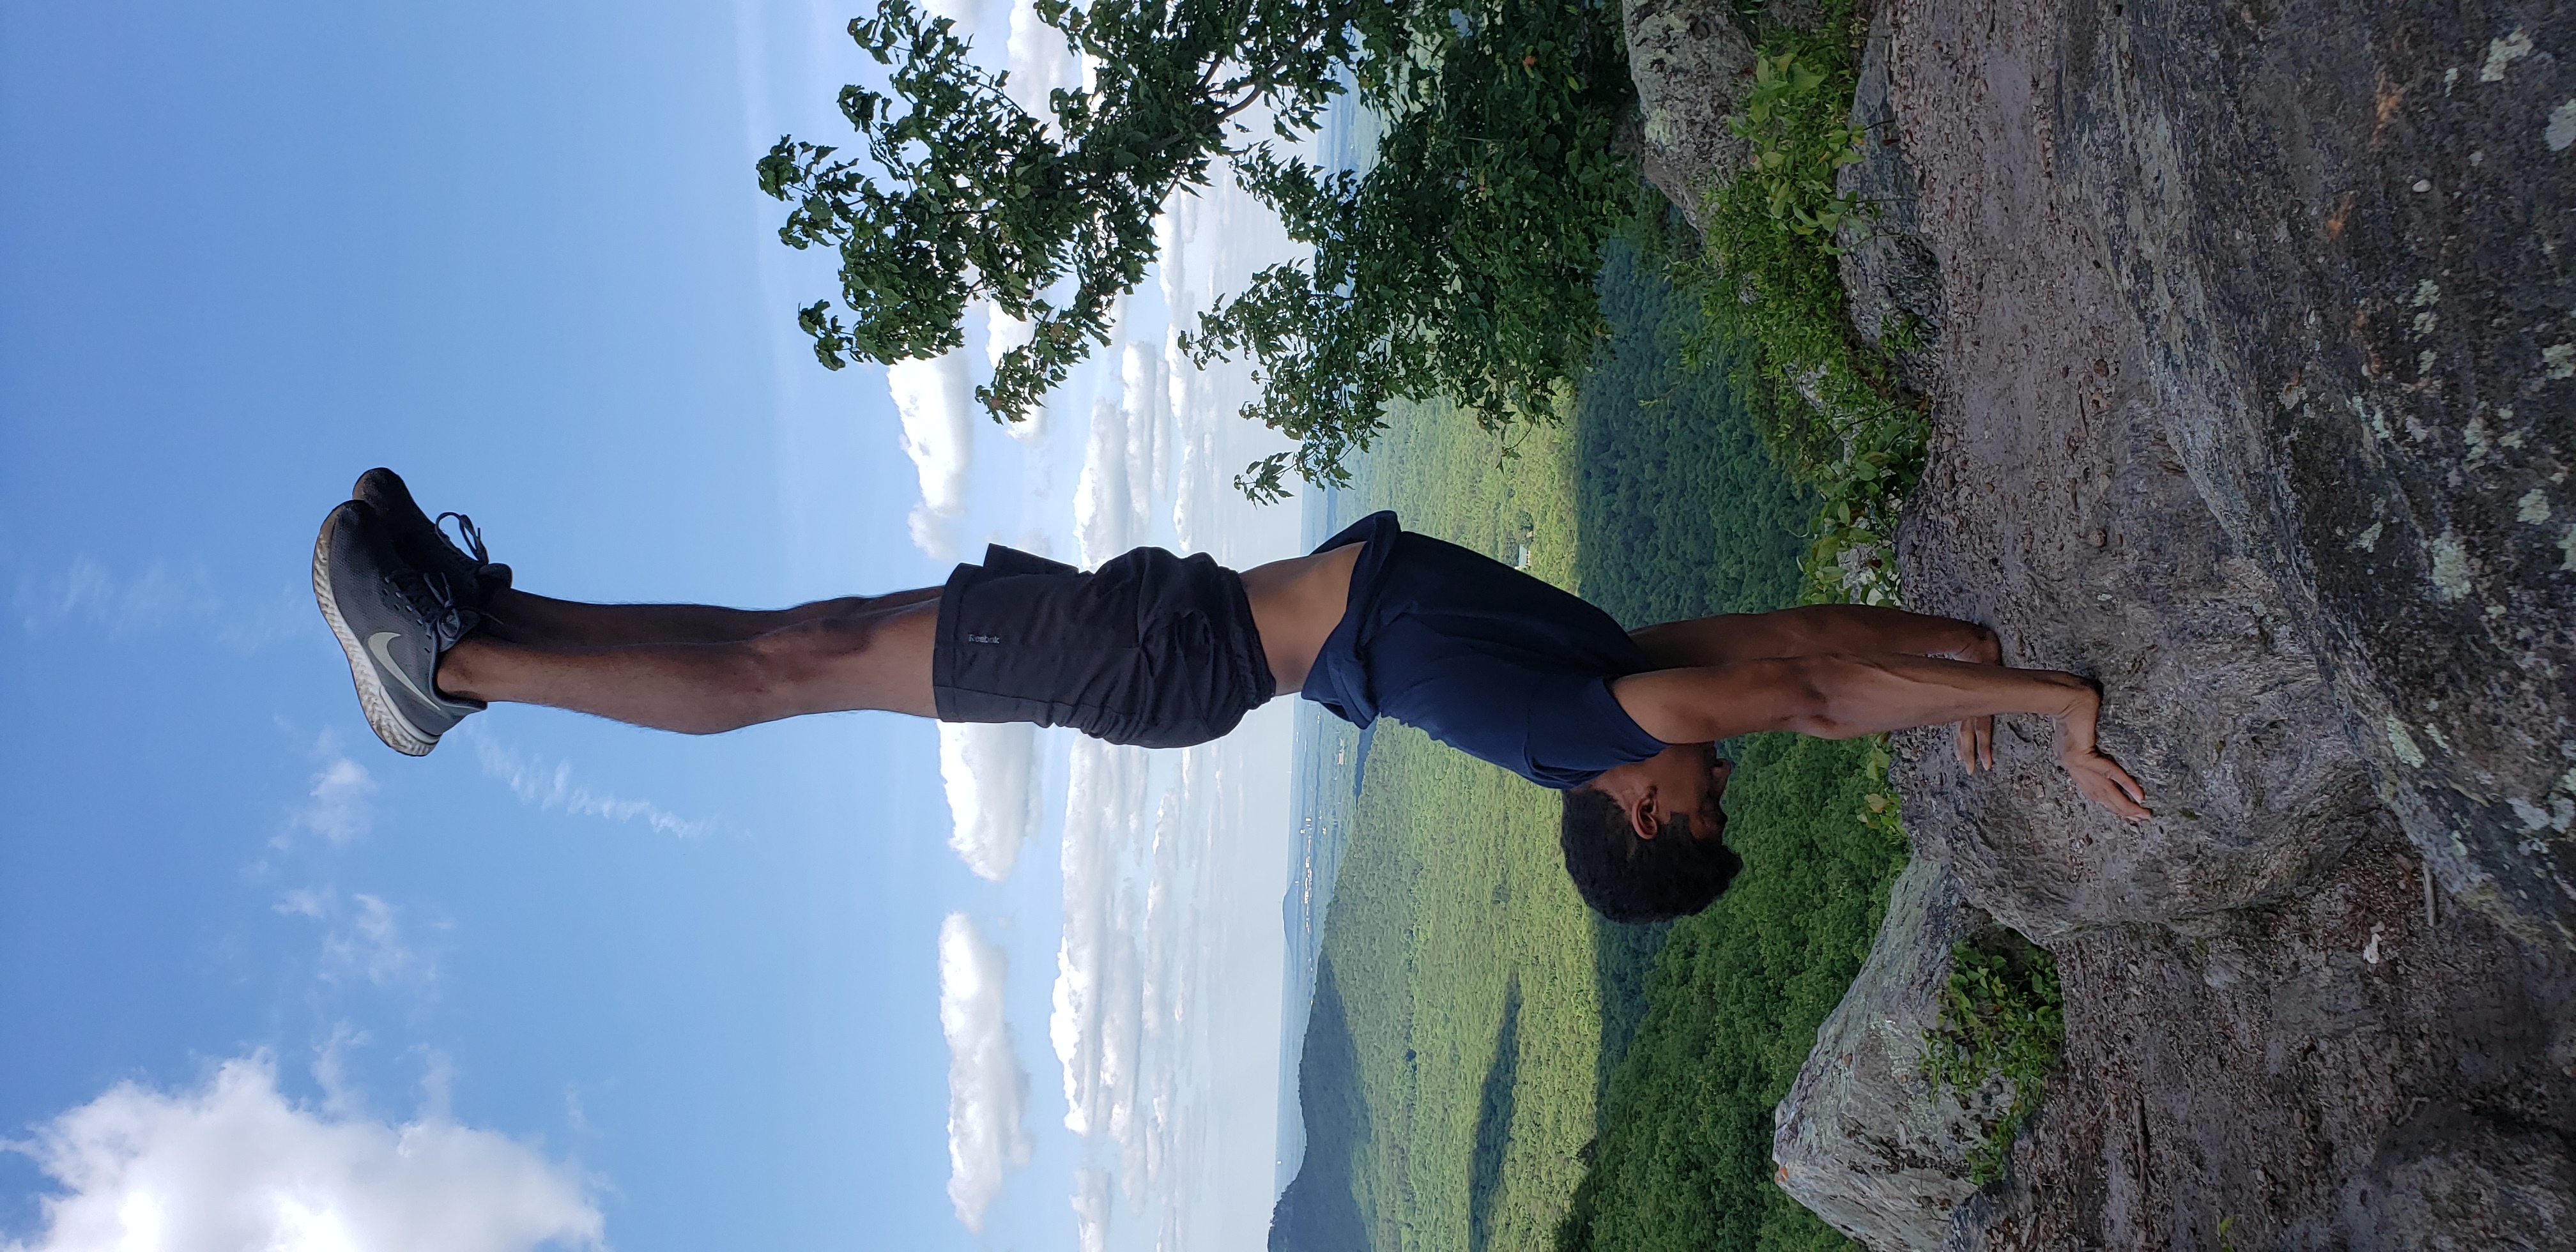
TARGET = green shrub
(2003,1022)
(1771,288)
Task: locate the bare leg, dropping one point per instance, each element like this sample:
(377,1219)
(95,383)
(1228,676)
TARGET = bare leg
(517,617)
(1830,629)
(871,659)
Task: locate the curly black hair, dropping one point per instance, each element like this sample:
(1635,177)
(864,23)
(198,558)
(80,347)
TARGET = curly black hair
(1628,879)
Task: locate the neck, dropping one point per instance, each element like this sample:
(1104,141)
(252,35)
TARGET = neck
(1295,605)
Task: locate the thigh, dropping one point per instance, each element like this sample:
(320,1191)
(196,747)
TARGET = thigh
(1152,649)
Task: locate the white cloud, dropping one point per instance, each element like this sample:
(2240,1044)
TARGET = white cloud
(93,597)
(1097,994)
(1103,504)
(1002,332)
(1040,61)
(1147,402)
(554,789)
(931,397)
(1091,1210)
(339,807)
(968,14)
(934,534)
(988,1091)
(362,941)
(989,770)
(237,1166)
(1123,465)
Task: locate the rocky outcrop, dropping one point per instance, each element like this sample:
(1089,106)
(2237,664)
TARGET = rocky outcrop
(2333,1070)
(2257,401)
(1691,62)
(1864,1138)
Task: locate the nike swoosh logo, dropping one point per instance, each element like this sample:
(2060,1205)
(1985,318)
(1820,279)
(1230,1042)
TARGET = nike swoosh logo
(376,645)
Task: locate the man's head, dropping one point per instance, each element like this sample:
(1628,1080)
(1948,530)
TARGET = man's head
(1646,841)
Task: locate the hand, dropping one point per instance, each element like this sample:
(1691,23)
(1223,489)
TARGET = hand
(2096,775)
(2103,782)
(1977,734)
(1977,743)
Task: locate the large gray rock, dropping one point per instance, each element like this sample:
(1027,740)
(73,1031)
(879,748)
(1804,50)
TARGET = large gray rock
(2344,234)
(1691,63)
(2335,1070)
(1890,276)
(1863,1138)
(2256,400)
(2055,508)
(2188,440)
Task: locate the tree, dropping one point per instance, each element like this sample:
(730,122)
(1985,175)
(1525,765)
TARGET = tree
(1460,264)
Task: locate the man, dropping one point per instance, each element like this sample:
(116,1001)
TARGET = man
(1163,651)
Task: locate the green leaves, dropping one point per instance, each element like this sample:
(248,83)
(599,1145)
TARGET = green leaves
(1795,118)
(984,201)
(1771,288)
(1461,264)
(1414,290)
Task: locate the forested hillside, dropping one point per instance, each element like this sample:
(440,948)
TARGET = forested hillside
(1682,512)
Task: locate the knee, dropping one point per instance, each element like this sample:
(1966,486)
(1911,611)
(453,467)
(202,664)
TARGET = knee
(783,656)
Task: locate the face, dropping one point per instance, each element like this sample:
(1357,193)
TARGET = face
(1686,778)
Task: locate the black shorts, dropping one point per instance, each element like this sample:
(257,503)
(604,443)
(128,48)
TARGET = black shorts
(1151,649)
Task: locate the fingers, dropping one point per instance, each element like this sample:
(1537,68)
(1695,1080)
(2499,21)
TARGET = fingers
(2102,781)
(2098,777)
(1976,744)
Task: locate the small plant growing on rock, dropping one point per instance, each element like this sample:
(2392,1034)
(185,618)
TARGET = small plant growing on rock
(1793,118)
(1878,805)
(2003,1021)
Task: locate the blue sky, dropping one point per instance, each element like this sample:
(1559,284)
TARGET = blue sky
(694,986)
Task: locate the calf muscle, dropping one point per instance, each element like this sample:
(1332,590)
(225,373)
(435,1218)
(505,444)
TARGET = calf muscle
(543,622)
(867,660)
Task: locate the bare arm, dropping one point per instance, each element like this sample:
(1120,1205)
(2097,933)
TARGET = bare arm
(1831,629)
(1843,696)
(1815,630)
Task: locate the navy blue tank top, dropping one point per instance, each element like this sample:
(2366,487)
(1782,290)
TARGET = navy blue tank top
(1479,656)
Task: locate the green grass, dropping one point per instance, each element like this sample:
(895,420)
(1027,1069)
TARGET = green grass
(1462,957)
(2003,1022)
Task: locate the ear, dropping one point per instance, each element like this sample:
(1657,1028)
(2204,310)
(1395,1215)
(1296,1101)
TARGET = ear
(1641,815)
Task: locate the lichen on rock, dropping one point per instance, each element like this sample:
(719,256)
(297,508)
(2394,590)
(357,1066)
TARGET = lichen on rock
(1691,63)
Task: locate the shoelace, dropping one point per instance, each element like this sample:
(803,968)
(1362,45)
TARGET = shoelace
(465,527)
(430,596)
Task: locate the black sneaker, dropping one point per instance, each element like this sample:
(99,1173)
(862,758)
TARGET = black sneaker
(423,545)
(393,620)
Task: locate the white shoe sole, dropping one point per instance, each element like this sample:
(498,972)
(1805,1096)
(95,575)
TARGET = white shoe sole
(382,717)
